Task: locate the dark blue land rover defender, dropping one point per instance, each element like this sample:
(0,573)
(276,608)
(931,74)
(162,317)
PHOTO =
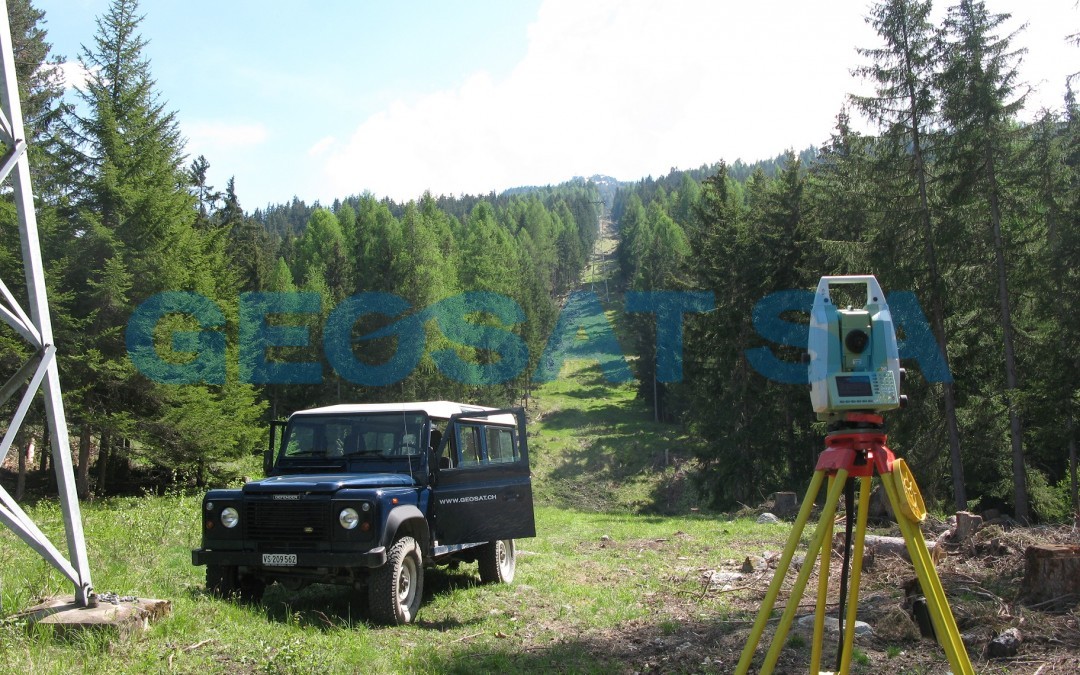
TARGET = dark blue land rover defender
(367,496)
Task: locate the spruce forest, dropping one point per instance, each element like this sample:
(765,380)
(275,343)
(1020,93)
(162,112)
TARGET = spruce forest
(954,198)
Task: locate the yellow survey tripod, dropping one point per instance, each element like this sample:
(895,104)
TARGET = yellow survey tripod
(855,449)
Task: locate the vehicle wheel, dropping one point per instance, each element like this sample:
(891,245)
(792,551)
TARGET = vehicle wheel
(396,588)
(497,562)
(222,581)
(251,589)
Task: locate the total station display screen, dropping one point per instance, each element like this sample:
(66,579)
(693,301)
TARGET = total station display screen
(854,386)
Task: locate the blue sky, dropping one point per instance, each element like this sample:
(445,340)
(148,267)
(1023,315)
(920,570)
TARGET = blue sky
(341,97)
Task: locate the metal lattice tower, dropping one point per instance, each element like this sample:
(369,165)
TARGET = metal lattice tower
(36,329)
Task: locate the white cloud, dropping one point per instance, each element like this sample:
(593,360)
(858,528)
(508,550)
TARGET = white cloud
(218,134)
(624,88)
(73,75)
(321,146)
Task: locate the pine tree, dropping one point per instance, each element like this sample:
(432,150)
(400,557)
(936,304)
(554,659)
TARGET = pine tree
(1066,250)
(488,263)
(722,409)
(138,238)
(904,106)
(1049,269)
(840,201)
(976,86)
(205,196)
(40,94)
(248,244)
(662,250)
(379,242)
(323,247)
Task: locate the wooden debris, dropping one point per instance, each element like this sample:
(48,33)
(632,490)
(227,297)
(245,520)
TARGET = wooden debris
(1006,644)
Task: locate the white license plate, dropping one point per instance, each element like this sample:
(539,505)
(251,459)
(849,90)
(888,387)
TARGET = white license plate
(279,559)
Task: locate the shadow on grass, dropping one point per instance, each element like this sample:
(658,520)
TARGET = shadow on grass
(697,646)
(601,416)
(613,446)
(598,391)
(327,606)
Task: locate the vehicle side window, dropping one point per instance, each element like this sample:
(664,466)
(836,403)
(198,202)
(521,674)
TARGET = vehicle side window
(445,458)
(500,445)
(469,437)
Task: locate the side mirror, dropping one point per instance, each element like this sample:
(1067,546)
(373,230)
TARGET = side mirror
(268,462)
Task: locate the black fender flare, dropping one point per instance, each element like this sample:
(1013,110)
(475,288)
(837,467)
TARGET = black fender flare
(410,518)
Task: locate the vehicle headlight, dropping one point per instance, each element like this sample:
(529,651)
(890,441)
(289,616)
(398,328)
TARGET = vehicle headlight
(229,517)
(348,518)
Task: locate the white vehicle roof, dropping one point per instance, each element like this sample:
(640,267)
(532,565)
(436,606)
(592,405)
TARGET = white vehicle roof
(437,409)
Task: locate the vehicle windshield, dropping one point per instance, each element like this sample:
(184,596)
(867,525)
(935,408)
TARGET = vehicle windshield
(383,435)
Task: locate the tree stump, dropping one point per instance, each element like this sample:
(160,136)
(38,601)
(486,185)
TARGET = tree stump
(1052,572)
(967,524)
(785,503)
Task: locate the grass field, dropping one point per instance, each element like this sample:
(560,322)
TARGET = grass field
(586,582)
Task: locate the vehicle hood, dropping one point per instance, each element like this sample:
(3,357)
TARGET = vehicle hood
(328,482)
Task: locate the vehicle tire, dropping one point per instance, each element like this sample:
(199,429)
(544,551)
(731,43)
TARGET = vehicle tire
(396,589)
(497,562)
(251,589)
(222,581)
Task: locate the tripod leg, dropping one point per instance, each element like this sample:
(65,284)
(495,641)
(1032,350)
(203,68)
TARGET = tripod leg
(778,577)
(940,612)
(825,523)
(856,573)
(822,595)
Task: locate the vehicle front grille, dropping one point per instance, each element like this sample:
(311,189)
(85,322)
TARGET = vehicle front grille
(299,524)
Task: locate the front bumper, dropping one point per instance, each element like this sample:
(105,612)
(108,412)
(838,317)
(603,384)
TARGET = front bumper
(375,557)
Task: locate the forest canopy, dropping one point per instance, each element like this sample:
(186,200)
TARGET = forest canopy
(952,199)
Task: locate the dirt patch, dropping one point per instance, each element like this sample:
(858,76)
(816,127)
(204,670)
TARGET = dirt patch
(981,577)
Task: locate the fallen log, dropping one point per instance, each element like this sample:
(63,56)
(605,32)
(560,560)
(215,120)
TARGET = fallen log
(875,545)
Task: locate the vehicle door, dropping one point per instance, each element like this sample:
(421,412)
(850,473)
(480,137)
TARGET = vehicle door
(482,487)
